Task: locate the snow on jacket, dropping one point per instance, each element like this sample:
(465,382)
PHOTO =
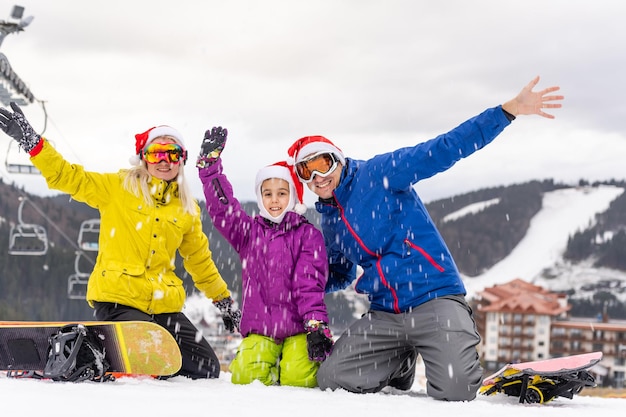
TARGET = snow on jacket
(284,266)
(137,243)
(376,220)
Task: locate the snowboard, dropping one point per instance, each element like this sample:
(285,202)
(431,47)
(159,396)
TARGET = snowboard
(129,347)
(542,381)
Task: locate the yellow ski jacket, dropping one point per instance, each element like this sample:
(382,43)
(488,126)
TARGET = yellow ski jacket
(138,243)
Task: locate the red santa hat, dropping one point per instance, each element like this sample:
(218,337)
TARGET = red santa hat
(284,171)
(143,139)
(308,145)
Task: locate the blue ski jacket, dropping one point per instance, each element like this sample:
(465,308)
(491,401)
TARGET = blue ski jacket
(376,220)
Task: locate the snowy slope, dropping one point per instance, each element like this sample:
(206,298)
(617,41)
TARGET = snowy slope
(564,212)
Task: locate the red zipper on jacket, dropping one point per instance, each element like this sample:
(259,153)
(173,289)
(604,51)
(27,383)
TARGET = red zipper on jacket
(356,237)
(425,255)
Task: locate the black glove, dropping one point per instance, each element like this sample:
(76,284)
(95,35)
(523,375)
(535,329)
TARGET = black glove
(319,340)
(212,146)
(230,315)
(15,125)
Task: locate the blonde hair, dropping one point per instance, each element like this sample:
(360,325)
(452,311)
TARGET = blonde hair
(137,179)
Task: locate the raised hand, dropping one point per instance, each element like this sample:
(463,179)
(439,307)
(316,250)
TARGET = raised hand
(530,102)
(212,146)
(15,125)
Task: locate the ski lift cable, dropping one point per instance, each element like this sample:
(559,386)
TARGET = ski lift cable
(49,119)
(58,229)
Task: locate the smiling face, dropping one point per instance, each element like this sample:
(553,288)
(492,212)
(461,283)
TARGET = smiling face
(324,186)
(275,196)
(164,170)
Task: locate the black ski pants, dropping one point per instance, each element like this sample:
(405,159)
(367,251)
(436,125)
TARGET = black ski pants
(199,359)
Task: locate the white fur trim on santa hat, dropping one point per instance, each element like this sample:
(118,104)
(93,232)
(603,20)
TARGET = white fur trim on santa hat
(165,131)
(300,208)
(315,147)
(283,173)
(134,160)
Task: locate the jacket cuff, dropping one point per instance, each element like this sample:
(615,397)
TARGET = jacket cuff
(38,147)
(223,295)
(508,115)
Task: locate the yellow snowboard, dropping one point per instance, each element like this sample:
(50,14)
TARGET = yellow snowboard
(130,347)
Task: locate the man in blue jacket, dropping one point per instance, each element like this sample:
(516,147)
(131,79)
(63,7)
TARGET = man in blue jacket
(372,217)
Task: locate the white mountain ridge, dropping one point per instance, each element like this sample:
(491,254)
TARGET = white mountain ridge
(538,258)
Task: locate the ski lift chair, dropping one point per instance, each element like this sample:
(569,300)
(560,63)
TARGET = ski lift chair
(13,165)
(88,235)
(77,286)
(28,239)
(77,282)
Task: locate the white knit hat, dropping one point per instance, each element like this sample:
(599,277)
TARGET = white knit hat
(283,171)
(143,139)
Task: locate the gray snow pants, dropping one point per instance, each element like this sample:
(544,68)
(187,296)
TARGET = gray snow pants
(380,349)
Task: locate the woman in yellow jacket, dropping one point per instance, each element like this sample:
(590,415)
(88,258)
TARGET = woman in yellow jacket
(147,213)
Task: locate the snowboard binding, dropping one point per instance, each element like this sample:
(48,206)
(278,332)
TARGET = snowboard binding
(18,374)
(539,389)
(76,354)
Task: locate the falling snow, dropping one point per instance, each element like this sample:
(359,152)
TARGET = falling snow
(181,396)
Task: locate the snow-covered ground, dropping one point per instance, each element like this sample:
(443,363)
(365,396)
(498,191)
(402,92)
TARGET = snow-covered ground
(183,397)
(564,212)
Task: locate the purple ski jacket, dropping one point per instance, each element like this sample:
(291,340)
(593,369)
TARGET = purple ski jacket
(284,266)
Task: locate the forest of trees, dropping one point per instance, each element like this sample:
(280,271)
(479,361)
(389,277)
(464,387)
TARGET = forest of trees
(605,241)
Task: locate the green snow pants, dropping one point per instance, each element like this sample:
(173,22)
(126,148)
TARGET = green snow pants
(287,363)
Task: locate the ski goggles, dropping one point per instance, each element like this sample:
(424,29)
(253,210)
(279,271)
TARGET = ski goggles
(321,163)
(172,153)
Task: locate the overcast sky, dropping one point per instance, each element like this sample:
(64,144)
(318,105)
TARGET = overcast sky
(372,76)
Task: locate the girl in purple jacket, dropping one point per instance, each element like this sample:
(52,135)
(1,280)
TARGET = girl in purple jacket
(284,272)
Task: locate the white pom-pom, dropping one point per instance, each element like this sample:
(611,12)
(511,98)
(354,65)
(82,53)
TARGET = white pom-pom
(290,160)
(134,160)
(299,208)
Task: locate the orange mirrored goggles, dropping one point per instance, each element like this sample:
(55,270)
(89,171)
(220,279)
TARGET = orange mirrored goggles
(172,153)
(322,164)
